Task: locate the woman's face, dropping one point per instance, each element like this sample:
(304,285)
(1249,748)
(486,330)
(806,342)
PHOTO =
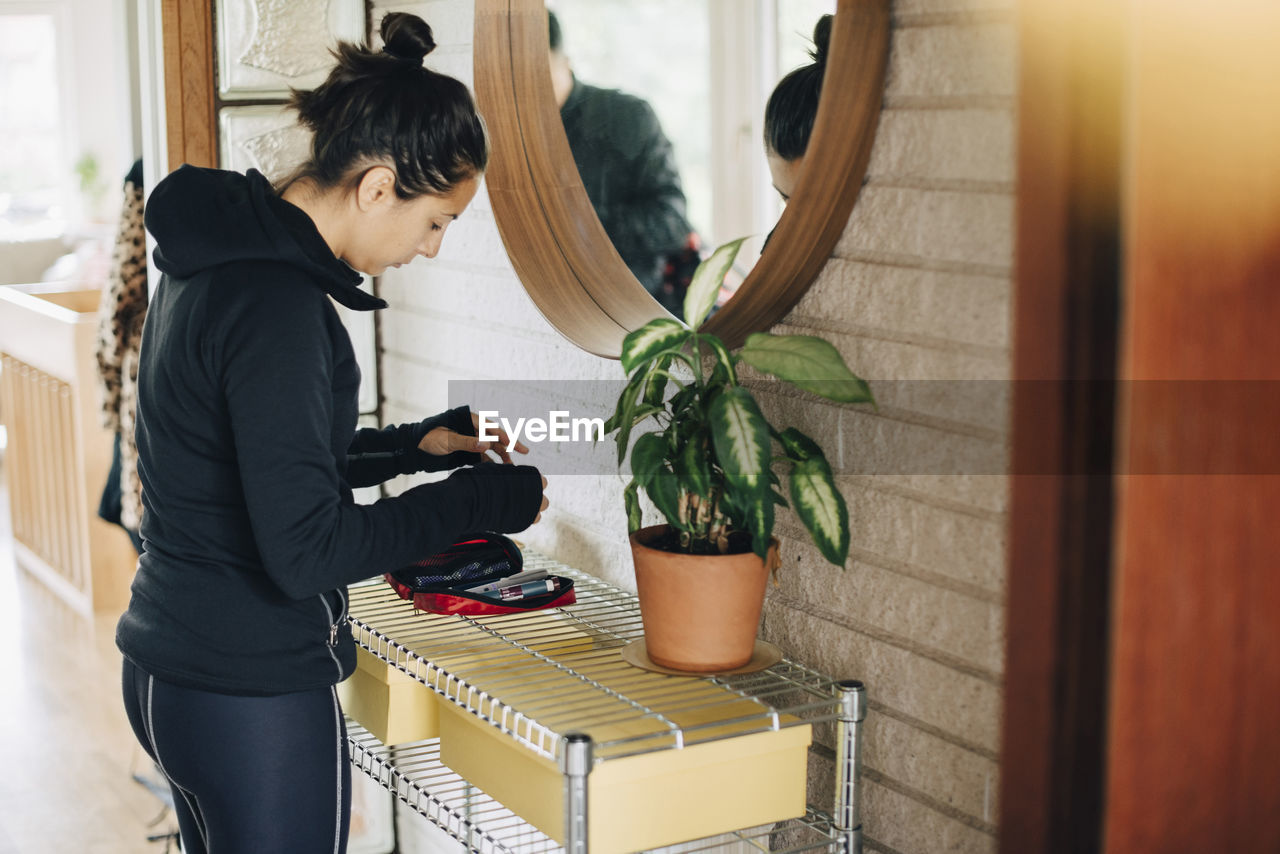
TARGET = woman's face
(785,173)
(395,232)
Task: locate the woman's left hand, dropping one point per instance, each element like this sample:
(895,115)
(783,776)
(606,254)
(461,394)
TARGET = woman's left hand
(442,441)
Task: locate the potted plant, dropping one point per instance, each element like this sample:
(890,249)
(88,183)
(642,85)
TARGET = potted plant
(708,469)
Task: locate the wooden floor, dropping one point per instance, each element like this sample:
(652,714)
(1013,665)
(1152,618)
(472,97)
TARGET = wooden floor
(66,748)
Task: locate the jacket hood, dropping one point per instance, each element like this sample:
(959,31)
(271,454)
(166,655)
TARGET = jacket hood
(203,218)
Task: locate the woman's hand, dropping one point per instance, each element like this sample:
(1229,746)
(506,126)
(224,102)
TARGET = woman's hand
(442,441)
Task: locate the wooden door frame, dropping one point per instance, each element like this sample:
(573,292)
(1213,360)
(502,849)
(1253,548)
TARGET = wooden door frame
(191,125)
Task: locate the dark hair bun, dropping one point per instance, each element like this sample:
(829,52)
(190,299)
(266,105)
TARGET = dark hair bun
(821,40)
(406,37)
(388,108)
(793,105)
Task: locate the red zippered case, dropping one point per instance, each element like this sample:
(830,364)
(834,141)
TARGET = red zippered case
(436,584)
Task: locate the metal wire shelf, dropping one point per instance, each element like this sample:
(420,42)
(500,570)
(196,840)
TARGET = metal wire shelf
(414,774)
(539,676)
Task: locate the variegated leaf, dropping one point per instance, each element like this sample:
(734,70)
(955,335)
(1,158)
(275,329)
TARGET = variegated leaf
(821,508)
(807,362)
(656,386)
(704,286)
(797,445)
(759,520)
(656,336)
(740,435)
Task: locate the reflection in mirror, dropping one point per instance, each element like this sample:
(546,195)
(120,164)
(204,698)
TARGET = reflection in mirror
(686,165)
(790,113)
(628,168)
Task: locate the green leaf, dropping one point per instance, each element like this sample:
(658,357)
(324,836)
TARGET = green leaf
(807,362)
(624,417)
(759,521)
(797,445)
(656,386)
(631,497)
(647,457)
(682,403)
(664,492)
(655,337)
(638,414)
(628,393)
(643,411)
(821,508)
(704,286)
(729,506)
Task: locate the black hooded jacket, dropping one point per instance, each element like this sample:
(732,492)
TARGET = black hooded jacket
(248,452)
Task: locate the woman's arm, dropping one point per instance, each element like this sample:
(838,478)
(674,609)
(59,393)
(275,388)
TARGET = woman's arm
(377,455)
(275,372)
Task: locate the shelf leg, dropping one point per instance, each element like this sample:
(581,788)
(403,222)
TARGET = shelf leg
(848,806)
(575,763)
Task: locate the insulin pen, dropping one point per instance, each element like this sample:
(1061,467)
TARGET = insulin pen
(510,580)
(529,588)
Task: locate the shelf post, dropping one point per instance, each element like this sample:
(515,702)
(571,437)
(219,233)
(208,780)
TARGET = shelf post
(575,763)
(848,807)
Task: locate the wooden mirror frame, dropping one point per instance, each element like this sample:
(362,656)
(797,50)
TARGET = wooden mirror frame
(557,245)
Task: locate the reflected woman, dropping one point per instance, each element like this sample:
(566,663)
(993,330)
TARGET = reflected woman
(789,114)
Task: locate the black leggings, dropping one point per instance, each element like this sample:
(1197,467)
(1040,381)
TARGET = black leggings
(268,775)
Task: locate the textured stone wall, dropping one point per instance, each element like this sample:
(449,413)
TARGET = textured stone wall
(918,290)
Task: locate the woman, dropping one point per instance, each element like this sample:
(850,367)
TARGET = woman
(235,634)
(790,111)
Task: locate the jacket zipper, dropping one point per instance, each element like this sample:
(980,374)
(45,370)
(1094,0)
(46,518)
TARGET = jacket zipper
(342,618)
(334,625)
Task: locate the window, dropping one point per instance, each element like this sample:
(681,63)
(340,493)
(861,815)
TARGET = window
(33,172)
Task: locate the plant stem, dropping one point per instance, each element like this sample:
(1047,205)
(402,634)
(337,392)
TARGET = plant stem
(697,364)
(725,358)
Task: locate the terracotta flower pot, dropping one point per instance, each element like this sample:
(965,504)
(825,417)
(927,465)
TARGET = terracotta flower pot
(701,612)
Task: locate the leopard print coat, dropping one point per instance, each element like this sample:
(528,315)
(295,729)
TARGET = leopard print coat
(121,312)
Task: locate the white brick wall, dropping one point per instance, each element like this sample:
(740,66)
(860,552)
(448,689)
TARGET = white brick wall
(918,289)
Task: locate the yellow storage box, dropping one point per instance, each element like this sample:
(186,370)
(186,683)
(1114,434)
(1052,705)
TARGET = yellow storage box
(387,702)
(642,801)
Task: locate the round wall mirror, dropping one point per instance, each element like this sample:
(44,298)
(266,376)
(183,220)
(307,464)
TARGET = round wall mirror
(703,70)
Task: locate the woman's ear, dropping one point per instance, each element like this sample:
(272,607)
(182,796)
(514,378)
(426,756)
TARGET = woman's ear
(377,187)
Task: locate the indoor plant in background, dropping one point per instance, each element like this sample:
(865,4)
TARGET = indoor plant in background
(708,469)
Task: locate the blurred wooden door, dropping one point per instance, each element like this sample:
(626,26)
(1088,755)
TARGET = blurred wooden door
(1143,668)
